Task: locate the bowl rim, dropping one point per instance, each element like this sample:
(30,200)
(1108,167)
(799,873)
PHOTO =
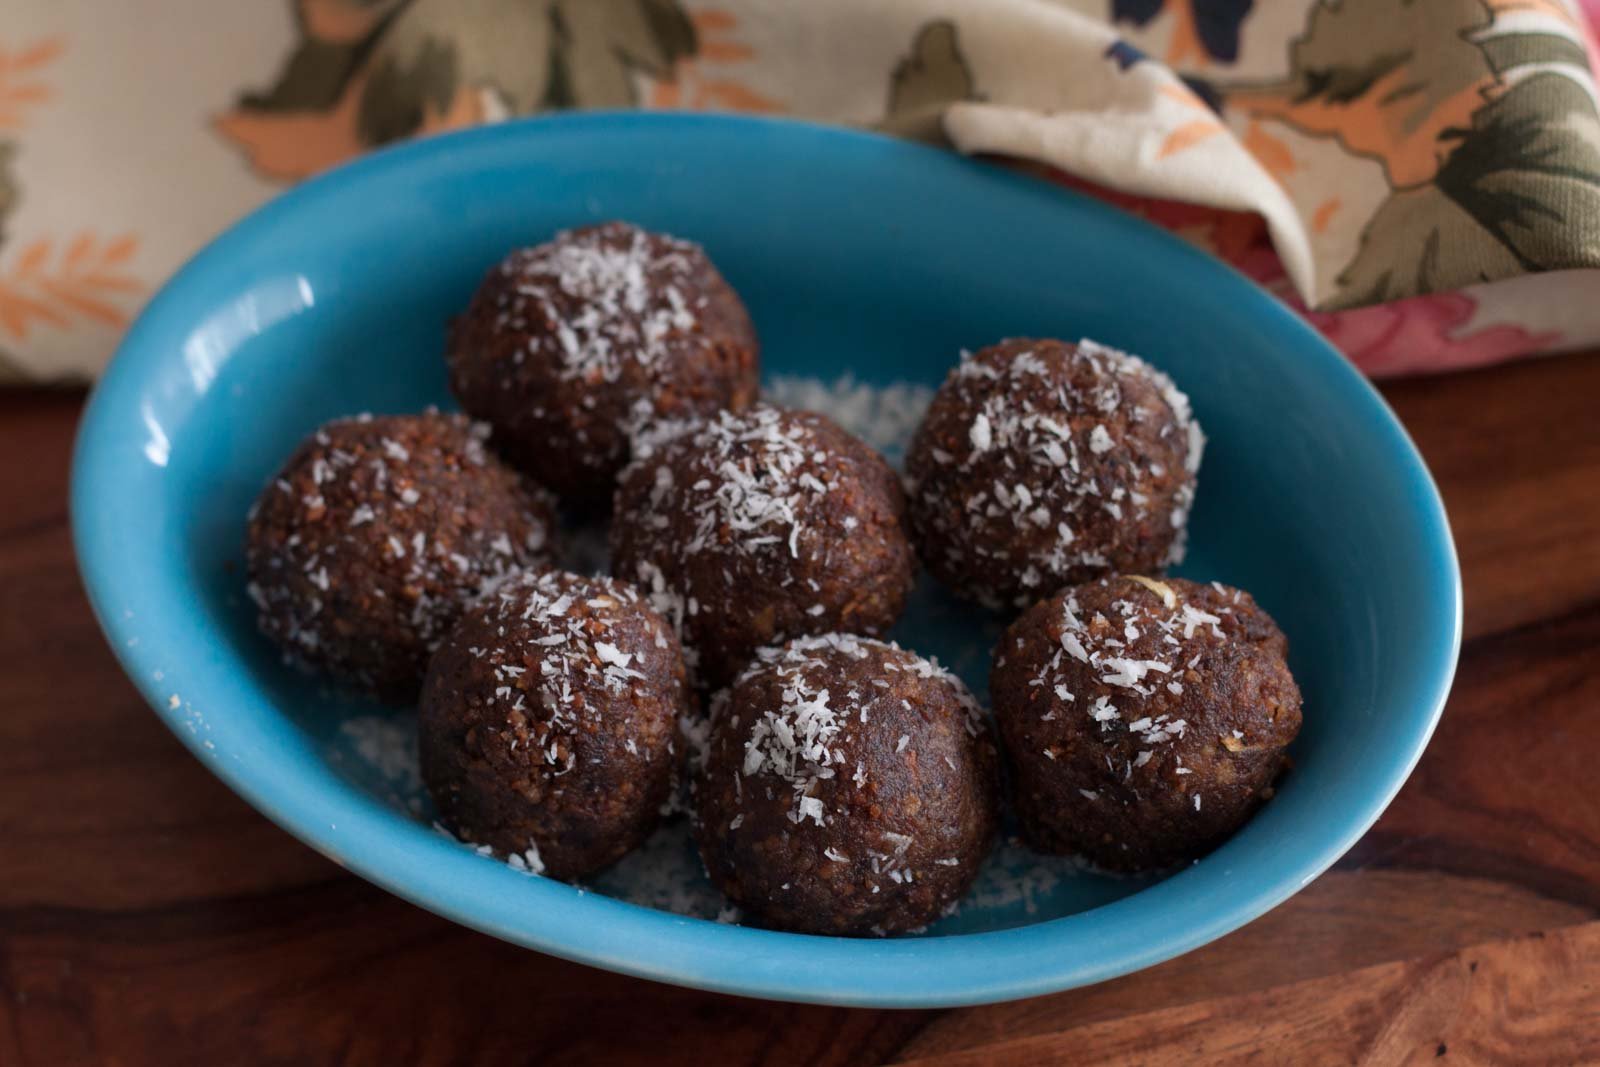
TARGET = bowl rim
(419,865)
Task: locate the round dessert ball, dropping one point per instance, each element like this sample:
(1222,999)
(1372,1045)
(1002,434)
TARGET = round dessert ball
(548,722)
(848,787)
(1042,464)
(366,547)
(749,528)
(1144,720)
(569,346)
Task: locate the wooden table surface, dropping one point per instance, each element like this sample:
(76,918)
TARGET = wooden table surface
(147,916)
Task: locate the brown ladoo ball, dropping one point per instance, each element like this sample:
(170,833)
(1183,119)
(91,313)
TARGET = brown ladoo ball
(366,547)
(1042,464)
(1145,721)
(549,720)
(848,788)
(570,346)
(749,528)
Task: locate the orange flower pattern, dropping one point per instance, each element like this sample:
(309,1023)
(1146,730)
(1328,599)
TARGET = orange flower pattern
(1438,107)
(50,282)
(21,87)
(1381,161)
(364,73)
(692,87)
(63,283)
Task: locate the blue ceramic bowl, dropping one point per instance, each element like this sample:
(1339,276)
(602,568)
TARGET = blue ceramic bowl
(854,253)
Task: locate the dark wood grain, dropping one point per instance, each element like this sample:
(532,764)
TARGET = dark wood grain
(149,917)
(1532,1000)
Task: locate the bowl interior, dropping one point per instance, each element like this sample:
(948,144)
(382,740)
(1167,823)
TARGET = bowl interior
(855,255)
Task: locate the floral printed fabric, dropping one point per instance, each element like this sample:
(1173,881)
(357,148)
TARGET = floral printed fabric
(1421,178)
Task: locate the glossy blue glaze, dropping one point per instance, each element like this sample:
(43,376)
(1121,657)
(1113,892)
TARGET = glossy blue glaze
(854,252)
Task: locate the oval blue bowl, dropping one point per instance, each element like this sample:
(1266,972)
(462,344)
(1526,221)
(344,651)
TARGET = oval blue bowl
(854,253)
